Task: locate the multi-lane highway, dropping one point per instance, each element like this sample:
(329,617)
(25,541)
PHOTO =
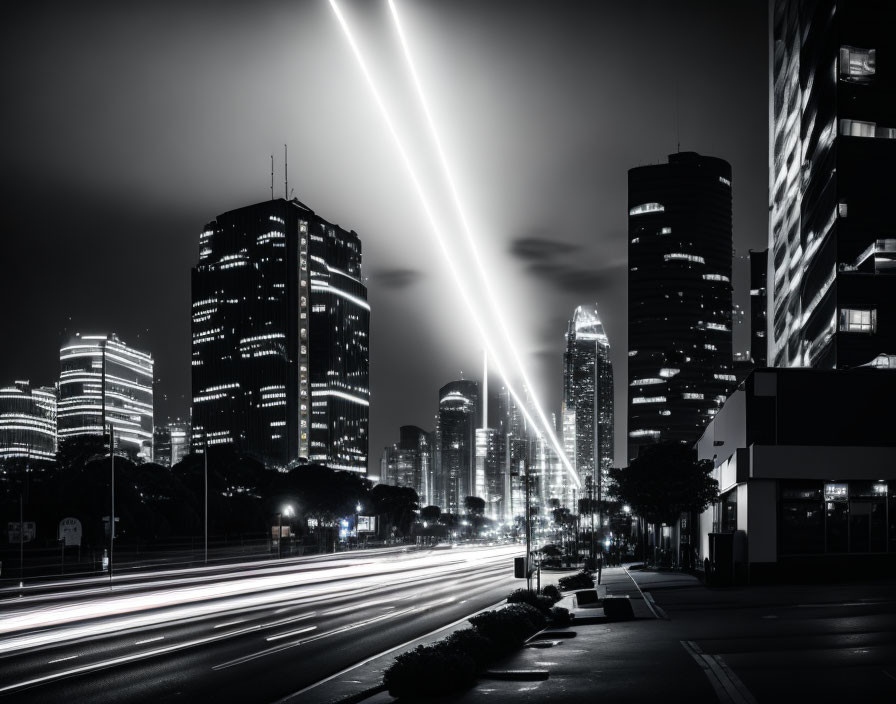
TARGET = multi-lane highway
(242,633)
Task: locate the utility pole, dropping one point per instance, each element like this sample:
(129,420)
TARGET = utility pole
(600,520)
(112,516)
(21,539)
(205,482)
(528,527)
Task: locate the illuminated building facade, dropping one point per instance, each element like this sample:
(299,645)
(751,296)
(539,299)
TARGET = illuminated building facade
(588,393)
(27,422)
(102,382)
(832,247)
(409,463)
(171,443)
(456,444)
(679,298)
(280,338)
(758,308)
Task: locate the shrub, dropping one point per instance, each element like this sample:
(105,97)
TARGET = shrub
(430,670)
(509,627)
(552,593)
(474,644)
(580,580)
(560,616)
(525,596)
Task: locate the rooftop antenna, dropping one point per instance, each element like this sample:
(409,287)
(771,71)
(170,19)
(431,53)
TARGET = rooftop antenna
(285,174)
(272,177)
(677,119)
(485,389)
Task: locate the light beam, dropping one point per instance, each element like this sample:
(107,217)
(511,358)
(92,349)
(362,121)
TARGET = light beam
(474,314)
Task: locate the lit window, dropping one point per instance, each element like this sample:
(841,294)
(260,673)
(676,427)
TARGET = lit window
(632,353)
(646,208)
(684,257)
(647,381)
(715,277)
(649,399)
(857,65)
(666,231)
(858,320)
(635,240)
(724,180)
(644,433)
(842,209)
(691,396)
(665,412)
(725,377)
(668,372)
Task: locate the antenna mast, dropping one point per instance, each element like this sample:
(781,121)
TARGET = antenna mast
(285,174)
(272,177)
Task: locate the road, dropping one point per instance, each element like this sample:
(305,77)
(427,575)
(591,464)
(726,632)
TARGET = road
(253,635)
(792,642)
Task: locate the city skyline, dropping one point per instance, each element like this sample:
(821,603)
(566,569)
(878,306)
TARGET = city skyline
(551,265)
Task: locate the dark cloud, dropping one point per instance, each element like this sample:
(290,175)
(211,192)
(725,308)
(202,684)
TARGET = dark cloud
(536,248)
(396,279)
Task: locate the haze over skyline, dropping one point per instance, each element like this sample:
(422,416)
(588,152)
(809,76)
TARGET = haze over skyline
(125,143)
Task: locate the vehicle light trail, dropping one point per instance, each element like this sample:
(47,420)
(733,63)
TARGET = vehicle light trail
(480,267)
(471,307)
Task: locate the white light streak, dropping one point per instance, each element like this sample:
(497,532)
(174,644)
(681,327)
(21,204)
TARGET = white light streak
(474,314)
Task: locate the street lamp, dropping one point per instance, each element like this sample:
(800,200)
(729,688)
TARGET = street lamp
(287,510)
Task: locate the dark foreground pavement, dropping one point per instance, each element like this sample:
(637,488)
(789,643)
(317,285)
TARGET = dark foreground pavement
(688,643)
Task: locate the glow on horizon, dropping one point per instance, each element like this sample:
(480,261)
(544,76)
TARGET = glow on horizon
(474,313)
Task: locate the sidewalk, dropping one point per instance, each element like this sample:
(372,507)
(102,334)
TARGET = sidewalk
(621,661)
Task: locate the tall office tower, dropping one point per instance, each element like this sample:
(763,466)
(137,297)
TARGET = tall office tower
(27,422)
(832,251)
(409,462)
(171,443)
(679,297)
(456,443)
(588,393)
(758,308)
(280,338)
(102,382)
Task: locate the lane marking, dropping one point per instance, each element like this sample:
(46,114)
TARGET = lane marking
(302,641)
(292,633)
(656,608)
(149,640)
(728,687)
(646,600)
(294,697)
(70,657)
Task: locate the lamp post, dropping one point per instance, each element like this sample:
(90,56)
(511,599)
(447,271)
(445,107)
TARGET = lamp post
(112,513)
(205,492)
(287,509)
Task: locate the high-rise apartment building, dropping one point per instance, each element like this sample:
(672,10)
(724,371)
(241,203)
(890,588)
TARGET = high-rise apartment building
(409,463)
(758,308)
(456,444)
(280,338)
(27,422)
(171,443)
(832,248)
(103,382)
(587,393)
(679,297)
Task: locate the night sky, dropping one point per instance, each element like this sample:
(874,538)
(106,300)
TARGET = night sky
(127,127)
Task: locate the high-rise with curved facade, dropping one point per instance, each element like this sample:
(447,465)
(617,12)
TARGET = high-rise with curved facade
(280,338)
(679,297)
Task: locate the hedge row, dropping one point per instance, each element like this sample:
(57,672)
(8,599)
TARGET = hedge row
(453,663)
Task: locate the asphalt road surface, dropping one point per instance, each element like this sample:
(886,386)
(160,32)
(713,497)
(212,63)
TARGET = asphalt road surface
(238,634)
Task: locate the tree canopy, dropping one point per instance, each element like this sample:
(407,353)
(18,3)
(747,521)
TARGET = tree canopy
(665,481)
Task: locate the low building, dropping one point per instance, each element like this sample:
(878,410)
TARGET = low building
(806,465)
(171,443)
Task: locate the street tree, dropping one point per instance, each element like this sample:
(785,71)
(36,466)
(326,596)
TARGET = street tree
(665,481)
(395,506)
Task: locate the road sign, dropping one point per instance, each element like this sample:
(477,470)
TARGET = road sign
(70,531)
(29,534)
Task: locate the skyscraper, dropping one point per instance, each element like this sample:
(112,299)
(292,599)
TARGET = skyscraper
(758,308)
(280,338)
(456,444)
(27,422)
(409,462)
(171,443)
(832,251)
(588,393)
(102,382)
(679,297)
